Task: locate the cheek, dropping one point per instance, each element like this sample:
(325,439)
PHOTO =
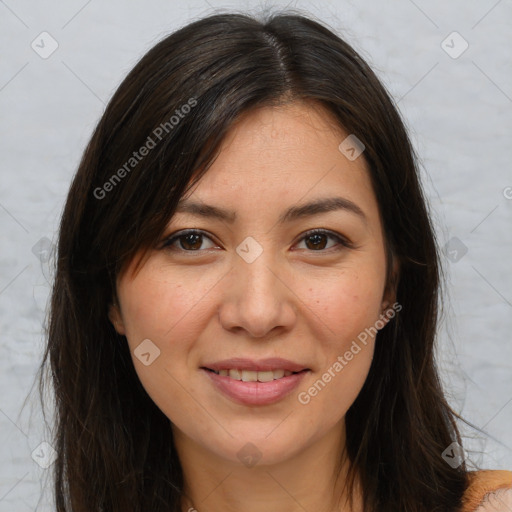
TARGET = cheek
(171,311)
(348,302)
(344,308)
(347,309)
(156,306)
(168,313)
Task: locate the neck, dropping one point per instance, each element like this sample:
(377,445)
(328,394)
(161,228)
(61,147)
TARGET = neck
(309,480)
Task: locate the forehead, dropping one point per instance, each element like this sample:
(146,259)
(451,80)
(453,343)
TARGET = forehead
(274,156)
(280,138)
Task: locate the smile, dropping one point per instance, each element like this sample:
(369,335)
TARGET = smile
(254,388)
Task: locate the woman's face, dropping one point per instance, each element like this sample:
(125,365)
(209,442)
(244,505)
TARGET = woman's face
(255,289)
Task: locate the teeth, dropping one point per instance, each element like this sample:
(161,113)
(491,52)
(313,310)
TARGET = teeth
(265,376)
(248,376)
(251,376)
(235,374)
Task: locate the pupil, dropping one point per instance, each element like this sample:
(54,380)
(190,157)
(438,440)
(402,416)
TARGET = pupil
(317,239)
(191,241)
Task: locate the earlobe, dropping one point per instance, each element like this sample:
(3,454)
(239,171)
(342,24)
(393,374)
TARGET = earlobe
(383,318)
(114,316)
(384,306)
(386,315)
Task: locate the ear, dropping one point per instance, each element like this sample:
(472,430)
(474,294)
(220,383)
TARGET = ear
(389,296)
(114,315)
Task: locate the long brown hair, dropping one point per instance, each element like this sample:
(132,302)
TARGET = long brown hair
(115,447)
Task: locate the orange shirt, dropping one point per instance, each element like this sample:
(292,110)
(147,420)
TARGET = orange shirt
(489,491)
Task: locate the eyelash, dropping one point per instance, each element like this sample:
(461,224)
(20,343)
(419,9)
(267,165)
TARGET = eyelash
(343,242)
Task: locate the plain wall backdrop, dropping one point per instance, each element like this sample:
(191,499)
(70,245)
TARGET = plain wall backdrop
(448,66)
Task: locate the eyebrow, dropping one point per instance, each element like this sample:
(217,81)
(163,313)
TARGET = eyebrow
(315,207)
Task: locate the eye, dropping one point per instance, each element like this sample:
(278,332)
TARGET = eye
(317,240)
(190,240)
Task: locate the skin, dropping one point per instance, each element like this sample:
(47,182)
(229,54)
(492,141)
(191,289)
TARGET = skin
(301,299)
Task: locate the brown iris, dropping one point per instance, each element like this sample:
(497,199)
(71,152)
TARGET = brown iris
(191,241)
(318,239)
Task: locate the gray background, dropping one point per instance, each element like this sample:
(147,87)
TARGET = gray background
(459,114)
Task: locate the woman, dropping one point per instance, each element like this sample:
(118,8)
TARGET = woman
(288,364)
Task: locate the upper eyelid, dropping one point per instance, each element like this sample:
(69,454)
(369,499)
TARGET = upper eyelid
(191,231)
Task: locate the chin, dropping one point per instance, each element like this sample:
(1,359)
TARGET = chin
(255,446)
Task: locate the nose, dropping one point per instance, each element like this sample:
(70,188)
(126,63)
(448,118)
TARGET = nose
(257,300)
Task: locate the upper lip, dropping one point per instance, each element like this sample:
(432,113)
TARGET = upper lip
(261,365)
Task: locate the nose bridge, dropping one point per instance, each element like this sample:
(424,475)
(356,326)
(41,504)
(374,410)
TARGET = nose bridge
(256,281)
(257,300)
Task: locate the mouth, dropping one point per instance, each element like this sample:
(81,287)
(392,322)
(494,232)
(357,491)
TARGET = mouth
(255,383)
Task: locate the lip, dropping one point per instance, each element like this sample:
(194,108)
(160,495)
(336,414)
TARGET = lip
(255,393)
(262,365)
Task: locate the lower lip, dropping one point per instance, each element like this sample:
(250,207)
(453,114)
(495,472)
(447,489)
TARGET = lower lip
(256,393)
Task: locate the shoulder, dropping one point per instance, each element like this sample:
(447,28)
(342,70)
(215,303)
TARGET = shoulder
(488,491)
